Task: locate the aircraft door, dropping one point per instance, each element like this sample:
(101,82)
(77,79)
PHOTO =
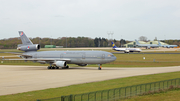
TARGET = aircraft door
(83,60)
(103,56)
(83,56)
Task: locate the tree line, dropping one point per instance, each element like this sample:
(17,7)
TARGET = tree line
(71,42)
(12,43)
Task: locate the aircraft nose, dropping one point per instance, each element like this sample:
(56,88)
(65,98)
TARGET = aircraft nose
(114,58)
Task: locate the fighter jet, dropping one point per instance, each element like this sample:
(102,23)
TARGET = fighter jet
(148,46)
(58,59)
(166,46)
(126,50)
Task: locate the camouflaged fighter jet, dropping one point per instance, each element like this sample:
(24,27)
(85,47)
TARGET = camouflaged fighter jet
(58,59)
(148,46)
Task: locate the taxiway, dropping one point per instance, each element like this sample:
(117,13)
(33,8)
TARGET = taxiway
(18,79)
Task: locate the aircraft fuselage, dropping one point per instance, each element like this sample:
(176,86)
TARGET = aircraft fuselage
(75,57)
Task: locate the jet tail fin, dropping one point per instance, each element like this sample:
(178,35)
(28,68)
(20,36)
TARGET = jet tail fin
(114,46)
(25,40)
(137,42)
(159,43)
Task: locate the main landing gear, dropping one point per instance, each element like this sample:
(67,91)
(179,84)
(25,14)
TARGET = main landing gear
(52,67)
(55,67)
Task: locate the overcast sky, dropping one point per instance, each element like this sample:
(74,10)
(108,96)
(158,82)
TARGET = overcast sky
(128,19)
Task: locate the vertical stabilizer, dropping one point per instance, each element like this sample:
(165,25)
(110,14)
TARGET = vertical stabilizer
(114,46)
(25,40)
(137,42)
(159,43)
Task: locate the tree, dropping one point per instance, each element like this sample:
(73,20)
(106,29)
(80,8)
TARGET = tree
(155,39)
(142,38)
(96,42)
(122,42)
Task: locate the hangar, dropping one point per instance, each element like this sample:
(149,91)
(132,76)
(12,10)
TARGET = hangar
(133,43)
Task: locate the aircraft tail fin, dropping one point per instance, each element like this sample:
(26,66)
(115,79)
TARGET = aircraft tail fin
(27,45)
(114,46)
(159,43)
(137,42)
(25,40)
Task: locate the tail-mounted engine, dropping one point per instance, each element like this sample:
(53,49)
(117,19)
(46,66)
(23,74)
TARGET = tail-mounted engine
(26,48)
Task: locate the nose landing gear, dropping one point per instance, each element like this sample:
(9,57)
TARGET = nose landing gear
(100,66)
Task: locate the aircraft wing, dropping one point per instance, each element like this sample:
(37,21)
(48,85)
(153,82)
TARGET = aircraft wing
(42,59)
(14,53)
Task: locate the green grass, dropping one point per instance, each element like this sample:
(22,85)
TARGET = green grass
(89,87)
(123,60)
(173,95)
(148,57)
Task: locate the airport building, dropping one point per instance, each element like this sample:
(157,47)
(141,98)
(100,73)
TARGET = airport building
(133,43)
(50,46)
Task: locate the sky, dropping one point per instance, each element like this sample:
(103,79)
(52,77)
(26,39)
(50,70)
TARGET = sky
(126,19)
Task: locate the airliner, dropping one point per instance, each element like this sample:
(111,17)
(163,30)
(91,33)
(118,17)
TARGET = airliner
(58,59)
(126,50)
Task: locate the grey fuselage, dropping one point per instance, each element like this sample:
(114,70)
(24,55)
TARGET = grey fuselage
(74,57)
(148,45)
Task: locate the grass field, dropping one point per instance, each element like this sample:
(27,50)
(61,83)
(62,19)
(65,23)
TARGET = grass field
(89,87)
(166,96)
(123,60)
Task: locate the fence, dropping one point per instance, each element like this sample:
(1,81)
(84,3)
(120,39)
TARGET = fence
(120,93)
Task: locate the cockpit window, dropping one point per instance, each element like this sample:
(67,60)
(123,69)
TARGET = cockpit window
(110,55)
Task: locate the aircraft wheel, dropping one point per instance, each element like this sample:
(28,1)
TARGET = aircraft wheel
(67,67)
(49,67)
(53,68)
(57,67)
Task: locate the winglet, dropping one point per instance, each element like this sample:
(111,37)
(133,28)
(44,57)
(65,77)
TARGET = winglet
(25,40)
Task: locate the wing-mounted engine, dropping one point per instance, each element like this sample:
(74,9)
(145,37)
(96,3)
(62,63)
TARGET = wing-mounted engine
(26,48)
(126,51)
(60,63)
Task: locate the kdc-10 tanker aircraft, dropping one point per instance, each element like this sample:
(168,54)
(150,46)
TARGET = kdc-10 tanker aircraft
(58,59)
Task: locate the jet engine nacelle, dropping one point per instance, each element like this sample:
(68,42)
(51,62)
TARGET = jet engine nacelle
(60,63)
(26,48)
(82,64)
(126,51)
